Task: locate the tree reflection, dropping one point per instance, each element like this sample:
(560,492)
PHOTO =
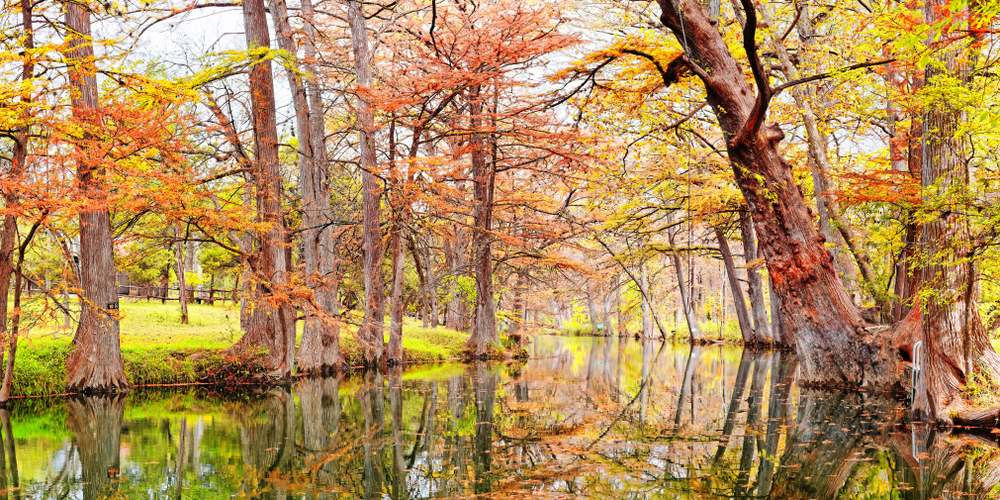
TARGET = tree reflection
(96,423)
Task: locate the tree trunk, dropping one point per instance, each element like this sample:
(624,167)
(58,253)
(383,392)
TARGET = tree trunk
(181,271)
(755,285)
(647,317)
(432,287)
(694,330)
(484,331)
(778,330)
(957,352)
(270,318)
(371,337)
(455,256)
(825,325)
(394,352)
(320,347)
(95,362)
(742,316)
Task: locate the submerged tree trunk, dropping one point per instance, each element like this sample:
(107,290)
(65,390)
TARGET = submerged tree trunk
(95,362)
(370,335)
(824,324)
(270,317)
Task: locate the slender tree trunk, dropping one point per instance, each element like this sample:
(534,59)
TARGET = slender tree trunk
(394,352)
(742,316)
(455,252)
(758,308)
(695,334)
(778,325)
(95,362)
(824,323)
(647,317)
(432,287)
(18,166)
(370,336)
(271,319)
(181,271)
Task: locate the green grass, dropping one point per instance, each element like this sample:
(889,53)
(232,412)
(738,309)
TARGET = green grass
(158,349)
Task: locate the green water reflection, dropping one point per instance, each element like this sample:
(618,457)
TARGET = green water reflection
(601,418)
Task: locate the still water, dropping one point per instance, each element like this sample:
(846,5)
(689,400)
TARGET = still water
(601,418)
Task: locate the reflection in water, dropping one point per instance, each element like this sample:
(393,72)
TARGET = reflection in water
(602,418)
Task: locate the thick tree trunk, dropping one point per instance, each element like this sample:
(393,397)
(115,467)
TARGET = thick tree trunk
(325,297)
(320,347)
(755,285)
(484,331)
(832,226)
(957,353)
(742,316)
(825,325)
(95,363)
(371,334)
(270,318)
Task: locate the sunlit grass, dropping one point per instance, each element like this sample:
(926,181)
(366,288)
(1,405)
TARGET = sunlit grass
(158,349)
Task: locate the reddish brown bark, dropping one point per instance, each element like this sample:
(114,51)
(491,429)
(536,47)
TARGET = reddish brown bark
(95,363)
(320,347)
(484,329)
(370,335)
(271,319)
(957,351)
(824,324)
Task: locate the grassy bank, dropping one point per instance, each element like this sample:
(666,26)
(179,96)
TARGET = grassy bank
(158,349)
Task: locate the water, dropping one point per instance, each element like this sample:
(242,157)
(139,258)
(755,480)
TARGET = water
(601,418)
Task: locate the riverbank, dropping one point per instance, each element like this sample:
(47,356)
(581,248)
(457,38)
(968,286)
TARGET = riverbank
(157,349)
(713,331)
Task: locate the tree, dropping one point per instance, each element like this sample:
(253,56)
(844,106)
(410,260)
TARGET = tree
(370,335)
(320,349)
(956,349)
(271,322)
(95,363)
(824,324)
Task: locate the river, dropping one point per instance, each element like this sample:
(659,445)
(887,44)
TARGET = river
(601,418)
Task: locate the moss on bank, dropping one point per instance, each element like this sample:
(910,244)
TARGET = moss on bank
(157,349)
